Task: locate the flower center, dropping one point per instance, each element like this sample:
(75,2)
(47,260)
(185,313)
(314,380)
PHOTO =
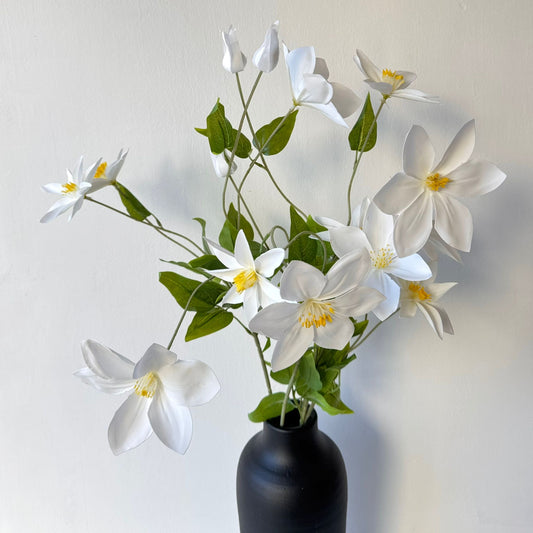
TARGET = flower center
(436,182)
(146,386)
(245,280)
(383,257)
(389,76)
(100,171)
(418,292)
(315,314)
(69,188)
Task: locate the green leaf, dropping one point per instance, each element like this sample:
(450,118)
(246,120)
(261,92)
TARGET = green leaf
(132,205)
(360,327)
(219,130)
(267,345)
(203,223)
(227,236)
(303,248)
(269,407)
(308,378)
(187,266)
(208,262)
(330,403)
(240,222)
(282,376)
(244,146)
(202,131)
(181,288)
(280,138)
(206,323)
(361,129)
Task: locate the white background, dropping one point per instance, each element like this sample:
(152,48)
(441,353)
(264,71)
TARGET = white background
(442,433)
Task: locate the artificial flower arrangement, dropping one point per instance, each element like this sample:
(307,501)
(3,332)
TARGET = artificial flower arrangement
(313,289)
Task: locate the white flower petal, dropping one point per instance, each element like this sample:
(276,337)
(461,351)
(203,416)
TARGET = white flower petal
(345,274)
(366,66)
(221,164)
(460,149)
(446,323)
(299,61)
(109,386)
(76,207)
(330,111)
(105,362)
(54,188)
(407,308)
(329,222)
(378,227)
(398,193)
(418,153)
(233,296)
(474,178)
(227,274)
(380,281)
(348,239)
(416,96)
(171,423)
(243,255)
(344,99)
(432,316)
(436,245)
(381,86)
(314,89)
(357,302)
(301,281)
(268,293)
(225,257)
(274,320)
(291,347)
(414,226)
(408,77)
(130,425)
(453,222)
(155,358)
(335,334)
(233,60)
(267,55)
(59,207)
(438,290)
(189,382)
(267,263)
(251,302)
(411,268)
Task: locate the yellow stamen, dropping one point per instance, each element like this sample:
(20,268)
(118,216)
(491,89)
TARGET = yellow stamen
(383,257)
(316,313)
(389,76)
(69,187)
(100,171)
(146,386)
(436,182)
(418,292)
(245,280)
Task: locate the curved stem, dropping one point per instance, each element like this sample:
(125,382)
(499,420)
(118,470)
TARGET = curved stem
(358,156)
(287,393)
(263,363)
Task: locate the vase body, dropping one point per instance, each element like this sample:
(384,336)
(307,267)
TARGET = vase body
(291,480)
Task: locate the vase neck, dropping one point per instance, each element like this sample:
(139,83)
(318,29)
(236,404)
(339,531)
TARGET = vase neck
(291,431)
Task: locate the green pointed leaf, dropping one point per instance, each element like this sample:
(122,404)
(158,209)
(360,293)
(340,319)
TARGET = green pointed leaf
(330,403)
(308,378)
(202,131)
(218,129)
(279,139)
(203,223)
(269,407)
(205,298)
(244,146)
(208,262)
(240,222)
(130,202)
(361,130)
(282,376)
(303,248)
(227,236)
(360,327)
(206,323)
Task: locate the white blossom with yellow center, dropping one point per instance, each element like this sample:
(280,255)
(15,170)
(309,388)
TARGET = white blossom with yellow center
(318,309)
(162,389)
(248,276)
(426,197)
(390,82)
(375,235)
(103,174)
(423,295)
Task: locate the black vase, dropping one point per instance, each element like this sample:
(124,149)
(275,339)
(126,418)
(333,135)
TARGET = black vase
(291,480)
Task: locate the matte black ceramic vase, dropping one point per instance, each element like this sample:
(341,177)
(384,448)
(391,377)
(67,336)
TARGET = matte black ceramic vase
(291,480)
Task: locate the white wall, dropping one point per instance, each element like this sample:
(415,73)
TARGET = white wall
(442,433)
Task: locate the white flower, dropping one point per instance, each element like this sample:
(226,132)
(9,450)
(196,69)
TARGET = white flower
(102,174)
(266,56)
(308,78)
(162,390)
(389,82)
(423,295)
(234,60)
(321,309)
(250,285)
(436,245)
(72,193)
(358,216)
(376,236)
(420,194)
(221,163)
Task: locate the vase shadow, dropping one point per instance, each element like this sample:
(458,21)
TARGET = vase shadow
(366,460)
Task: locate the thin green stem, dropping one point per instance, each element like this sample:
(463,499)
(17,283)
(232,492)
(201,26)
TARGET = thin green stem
(263,363)
(358,156)
(287,393)
(186,308)
(302,233)
(281,228)
(160,230)
(363,339)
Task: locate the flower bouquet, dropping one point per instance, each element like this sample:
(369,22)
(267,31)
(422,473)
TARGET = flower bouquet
(309,293)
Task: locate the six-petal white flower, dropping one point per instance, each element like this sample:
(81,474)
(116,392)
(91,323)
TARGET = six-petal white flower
(318,309)
(101,174)
(162,390)
(310,87)
(234,60)
(72,193)
(266,57)
(376,237)
(419,195)
(389,82)
(249,276)
(423,295)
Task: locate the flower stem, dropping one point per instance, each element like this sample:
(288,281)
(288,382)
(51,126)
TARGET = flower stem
(263,363)
(363,339)
(160,229)
(287,393)
(358,156)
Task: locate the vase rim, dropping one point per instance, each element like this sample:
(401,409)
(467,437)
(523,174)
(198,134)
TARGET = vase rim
(273,423)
